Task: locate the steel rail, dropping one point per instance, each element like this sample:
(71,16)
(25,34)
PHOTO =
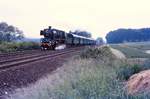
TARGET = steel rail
(18,62)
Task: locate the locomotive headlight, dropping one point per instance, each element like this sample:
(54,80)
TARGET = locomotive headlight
(45,48)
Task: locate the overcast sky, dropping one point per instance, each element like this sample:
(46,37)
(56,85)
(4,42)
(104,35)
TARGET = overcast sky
(96,16)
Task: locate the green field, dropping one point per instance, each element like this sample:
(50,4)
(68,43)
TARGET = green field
(134,50)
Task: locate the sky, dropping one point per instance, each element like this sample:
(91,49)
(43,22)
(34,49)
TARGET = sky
(96,16)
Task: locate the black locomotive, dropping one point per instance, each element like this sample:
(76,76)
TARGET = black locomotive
(54,37)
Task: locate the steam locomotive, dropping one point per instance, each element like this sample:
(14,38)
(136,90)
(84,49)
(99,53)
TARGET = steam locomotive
(54,37)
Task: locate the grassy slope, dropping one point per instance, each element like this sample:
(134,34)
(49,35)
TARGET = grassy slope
(92,75)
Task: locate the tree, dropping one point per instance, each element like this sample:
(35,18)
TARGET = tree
(9,33)
(128,35)
(100,41)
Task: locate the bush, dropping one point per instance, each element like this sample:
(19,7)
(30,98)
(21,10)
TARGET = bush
(28,46)
(100,53)
(17,46)
(126,71)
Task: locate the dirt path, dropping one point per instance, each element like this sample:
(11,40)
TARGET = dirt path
(139,82)
(118,53)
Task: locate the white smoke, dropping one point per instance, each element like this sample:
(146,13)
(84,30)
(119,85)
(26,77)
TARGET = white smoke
(60,47)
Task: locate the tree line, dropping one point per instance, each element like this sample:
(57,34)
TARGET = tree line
(99,40)
(9,33)
(128,35)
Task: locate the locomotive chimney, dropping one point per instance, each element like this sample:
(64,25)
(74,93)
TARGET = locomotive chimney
(49,27)
(41,32)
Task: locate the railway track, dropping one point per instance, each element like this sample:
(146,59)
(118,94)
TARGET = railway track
(10,55)
(17,53)
(7,56)
(10,63)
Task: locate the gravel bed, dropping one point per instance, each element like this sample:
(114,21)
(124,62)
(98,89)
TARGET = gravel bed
(24,75)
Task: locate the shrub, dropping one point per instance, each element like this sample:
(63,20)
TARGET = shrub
(18,46)
(126,71)
(101,53)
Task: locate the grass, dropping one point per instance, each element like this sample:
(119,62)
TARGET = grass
(17,46)
(133,50)
(84,77)
(139,45)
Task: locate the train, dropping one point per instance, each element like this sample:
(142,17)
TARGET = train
(53,37)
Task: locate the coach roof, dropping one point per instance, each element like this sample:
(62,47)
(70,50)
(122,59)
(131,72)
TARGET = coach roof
(77,36)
